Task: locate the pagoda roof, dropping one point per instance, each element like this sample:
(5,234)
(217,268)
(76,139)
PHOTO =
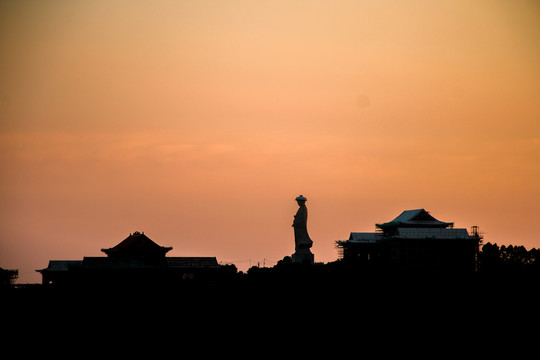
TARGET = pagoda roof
(137,244)
(414,218)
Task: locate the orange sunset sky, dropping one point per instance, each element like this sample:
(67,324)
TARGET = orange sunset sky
(199,122)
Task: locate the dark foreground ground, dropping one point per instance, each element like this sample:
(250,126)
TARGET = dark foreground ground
(307,311)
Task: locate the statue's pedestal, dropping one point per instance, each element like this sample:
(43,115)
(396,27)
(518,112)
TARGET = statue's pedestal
(303,256)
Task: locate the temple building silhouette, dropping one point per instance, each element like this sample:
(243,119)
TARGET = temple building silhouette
(136,261)
(414,240)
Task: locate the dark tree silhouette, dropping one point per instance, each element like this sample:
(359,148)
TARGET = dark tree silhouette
(508,259)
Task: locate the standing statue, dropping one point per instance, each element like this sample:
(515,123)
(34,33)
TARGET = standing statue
(302,241)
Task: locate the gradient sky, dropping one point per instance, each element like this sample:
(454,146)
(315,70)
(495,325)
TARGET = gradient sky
(199,122)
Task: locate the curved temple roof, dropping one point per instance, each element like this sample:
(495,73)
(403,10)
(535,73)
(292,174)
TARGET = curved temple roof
(414,218)
(137,243)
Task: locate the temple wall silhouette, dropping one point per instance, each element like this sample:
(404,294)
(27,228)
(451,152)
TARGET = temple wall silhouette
(137,261)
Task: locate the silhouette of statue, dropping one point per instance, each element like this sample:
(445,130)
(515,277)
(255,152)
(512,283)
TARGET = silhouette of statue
(302,241)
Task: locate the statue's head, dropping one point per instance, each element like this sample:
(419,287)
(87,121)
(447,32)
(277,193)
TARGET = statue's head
(301,200)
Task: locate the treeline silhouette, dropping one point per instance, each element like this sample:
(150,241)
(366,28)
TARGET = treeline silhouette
(509,259)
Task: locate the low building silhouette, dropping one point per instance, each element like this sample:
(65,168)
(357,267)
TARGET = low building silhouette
(8,277)
(414,240)
(136,261)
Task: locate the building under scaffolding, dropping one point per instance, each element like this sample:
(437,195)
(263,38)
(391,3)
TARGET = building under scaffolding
(414,240)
